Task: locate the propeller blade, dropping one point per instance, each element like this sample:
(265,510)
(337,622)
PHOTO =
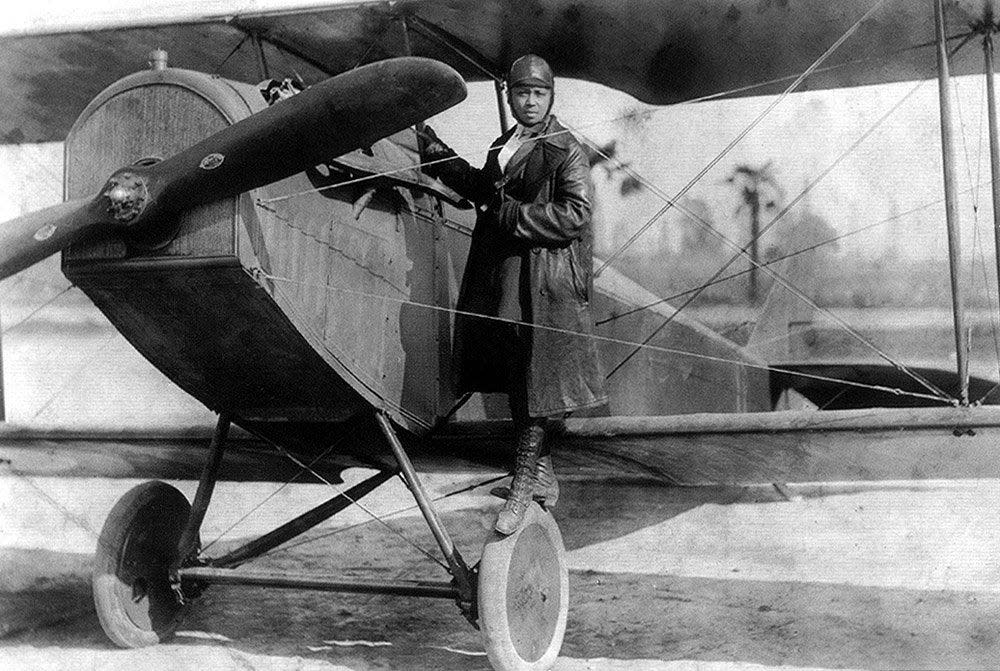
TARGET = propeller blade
(30,238)
(339,115)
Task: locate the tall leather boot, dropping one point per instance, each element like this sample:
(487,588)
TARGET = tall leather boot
(529,446)
(546,485)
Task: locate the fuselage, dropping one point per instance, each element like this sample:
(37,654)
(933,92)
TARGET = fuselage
(299,305)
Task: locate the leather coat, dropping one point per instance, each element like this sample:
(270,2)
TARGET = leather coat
(530,261)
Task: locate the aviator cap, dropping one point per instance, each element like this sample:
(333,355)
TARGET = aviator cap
(530,70)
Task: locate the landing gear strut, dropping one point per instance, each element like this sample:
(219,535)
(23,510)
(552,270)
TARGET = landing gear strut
(148,566)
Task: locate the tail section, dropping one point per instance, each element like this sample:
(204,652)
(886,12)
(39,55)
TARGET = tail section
(785,317)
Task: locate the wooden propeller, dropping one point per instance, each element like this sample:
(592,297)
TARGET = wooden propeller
(327,120)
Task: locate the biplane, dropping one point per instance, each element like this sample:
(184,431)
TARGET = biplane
(292,268)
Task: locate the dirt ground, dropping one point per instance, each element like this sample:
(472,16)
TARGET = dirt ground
(897,576)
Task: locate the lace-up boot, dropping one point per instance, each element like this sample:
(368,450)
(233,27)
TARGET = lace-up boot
(529,446)
(546,485)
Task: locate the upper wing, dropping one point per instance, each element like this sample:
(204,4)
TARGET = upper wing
(660,51)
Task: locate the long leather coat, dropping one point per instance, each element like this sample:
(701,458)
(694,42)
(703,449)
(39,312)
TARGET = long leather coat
(530,261)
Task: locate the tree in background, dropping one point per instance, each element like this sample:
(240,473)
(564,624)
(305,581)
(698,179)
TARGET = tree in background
(758,190)
(605,156)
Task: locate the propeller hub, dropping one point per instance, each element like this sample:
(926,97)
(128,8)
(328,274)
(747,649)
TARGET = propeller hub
(127,195)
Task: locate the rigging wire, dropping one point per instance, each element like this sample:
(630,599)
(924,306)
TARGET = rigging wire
(222,63)
(604,122)
(76,372)
(990,300)
(978,245)
(86,525)
(77,519)
(784,211)
(302,470)
(844,235)
(394,513)
(280,488)
(670,202)
(792,289)
(616,341)
(428,216)
(358,503)
(966,338)
(776,260)
(34,312)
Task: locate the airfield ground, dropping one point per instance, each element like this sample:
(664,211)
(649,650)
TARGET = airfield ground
(878,576)
(894,575)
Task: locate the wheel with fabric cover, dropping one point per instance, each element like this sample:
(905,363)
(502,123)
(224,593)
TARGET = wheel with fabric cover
(131,580)
(523,595)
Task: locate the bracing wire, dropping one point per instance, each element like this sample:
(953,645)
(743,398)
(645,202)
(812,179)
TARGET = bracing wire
(394,513)
(978,245)
(819,244)
(956,96)
(990,298)
(72,376)
(671,202)
(278,490)
(375,518)
(779,259)
(38,309)
(303,470)
(793,290)
(79,520)
(604,122)
(940,398)
(784,211)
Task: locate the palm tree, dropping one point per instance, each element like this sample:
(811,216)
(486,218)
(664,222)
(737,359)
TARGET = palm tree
(605,156)
(758,189)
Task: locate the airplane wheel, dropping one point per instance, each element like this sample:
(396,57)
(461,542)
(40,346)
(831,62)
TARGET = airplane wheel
(131,583)
(524,595)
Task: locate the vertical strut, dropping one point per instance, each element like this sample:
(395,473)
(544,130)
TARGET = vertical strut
(991,107)
(501,106)
(3,412)
(459,570)
(951,203)
(206,485)
(265,72)
(408,51)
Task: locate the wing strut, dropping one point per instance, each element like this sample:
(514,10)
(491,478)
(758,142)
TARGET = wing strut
(3,404)
(470,54)
(951,203)
(991,108)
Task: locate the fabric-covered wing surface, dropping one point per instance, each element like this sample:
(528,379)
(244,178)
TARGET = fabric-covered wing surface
(661,51)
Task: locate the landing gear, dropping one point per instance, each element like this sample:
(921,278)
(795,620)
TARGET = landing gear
(523,595)
(133,591)
(148,565)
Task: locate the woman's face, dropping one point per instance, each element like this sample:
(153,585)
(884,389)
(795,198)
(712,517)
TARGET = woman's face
(530,104)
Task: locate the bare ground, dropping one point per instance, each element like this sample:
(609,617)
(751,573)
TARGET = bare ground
(650,618)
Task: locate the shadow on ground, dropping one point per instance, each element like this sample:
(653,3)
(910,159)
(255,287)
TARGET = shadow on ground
(616,616)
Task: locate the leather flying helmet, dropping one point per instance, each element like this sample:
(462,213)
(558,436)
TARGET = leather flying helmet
(530,70)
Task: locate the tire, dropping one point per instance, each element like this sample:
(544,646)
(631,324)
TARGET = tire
(131,581)
(523,595)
